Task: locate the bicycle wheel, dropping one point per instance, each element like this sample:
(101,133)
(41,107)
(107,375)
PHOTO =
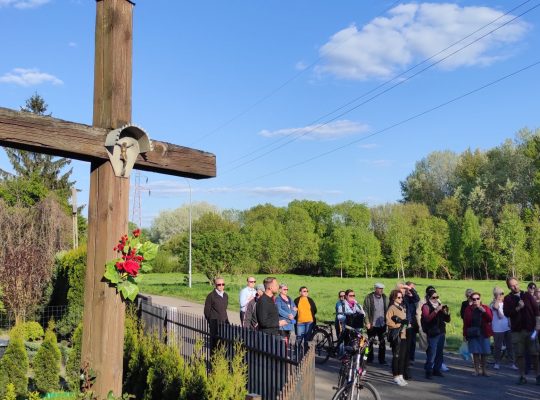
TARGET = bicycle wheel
(357,391)
(322,343)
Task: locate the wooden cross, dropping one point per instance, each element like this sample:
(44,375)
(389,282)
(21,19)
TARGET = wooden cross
(103,321)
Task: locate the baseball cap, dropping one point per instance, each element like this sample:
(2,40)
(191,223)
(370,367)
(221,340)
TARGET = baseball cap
(260,286)
(379,285)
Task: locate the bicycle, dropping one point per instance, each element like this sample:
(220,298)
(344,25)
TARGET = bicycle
(323,340)
(352,384)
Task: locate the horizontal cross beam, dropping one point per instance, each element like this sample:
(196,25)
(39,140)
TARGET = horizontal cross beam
(42,134)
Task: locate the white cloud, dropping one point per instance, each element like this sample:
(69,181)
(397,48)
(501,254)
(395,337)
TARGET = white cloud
(333,130)
(72,44)
(23,4)
(368,146)
(378,163)
(29,77)
(169,188)
(413,32)
(300,65)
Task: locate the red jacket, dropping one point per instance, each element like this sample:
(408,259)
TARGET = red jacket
(487,317)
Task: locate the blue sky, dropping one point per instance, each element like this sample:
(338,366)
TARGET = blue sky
(257,82)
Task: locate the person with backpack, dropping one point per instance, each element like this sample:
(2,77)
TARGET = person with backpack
(434,318)
(477,331)
(250,317)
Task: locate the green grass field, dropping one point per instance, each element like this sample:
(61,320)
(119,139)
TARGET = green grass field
(324,292)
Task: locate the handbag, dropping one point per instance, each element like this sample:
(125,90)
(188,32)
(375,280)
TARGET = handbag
(393,334)
(472,332)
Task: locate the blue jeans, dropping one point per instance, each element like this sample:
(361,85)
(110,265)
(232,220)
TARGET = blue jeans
(434,353)
(303,333)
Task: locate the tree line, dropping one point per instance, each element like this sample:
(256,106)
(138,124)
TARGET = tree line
(473,215)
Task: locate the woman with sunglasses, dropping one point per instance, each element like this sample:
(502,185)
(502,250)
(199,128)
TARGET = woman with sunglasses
(434,317)
(353,311)
(396,321)
(305,317)
(476,331)
(340,316)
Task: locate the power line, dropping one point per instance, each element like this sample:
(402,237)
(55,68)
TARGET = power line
(272,92)
(441,105)
(295,137)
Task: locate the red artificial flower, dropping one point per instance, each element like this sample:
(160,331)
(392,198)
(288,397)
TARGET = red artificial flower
(120,247)
(119,266)
(131,267)
(137,232)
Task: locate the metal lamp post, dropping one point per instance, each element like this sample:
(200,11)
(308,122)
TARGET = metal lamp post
(189,262)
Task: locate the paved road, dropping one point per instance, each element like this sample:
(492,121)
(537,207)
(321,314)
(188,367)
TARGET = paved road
(458,383)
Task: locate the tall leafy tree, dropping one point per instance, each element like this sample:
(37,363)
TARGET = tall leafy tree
(50,170)
(302,241)
(398,237)
(471,241)
(511,240)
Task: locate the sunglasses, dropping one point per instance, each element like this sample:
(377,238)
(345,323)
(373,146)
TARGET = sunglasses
(435,297)
(475,298)
(220,284)
(399,297)
(305,291)
(352,295)
(284,288)
(252,281)
(341,295)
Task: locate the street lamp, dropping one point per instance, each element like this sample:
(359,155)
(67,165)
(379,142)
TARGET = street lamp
(189,263)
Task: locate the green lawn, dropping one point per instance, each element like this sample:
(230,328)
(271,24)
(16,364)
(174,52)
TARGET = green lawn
(324,292)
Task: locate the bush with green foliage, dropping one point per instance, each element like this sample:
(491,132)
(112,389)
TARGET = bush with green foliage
(47,363)
(73,365)
(165,376)
(165,262)
(31,331)
(10,392)
(195,377)
(73,265)
(228,380)
(14,365)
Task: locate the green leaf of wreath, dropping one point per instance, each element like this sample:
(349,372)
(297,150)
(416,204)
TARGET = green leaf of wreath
(128,290)
(111,273)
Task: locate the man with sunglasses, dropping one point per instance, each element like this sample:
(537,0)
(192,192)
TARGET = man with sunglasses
(215,310)
(246,295)
(522,311)
(434,318)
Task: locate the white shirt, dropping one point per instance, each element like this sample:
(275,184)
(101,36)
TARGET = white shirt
(245,296)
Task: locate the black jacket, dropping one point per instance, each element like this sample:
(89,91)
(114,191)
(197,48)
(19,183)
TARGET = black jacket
(267,315)
(215,306)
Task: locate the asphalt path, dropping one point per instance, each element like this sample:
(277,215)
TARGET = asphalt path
(457,384)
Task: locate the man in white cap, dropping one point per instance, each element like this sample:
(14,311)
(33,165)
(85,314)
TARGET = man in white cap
(375,306)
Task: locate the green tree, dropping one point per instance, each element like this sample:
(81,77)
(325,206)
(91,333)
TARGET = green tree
(301,239)
(46,363)
(511,239)
(398,237)
(471,241)
(44,167)
(14,366)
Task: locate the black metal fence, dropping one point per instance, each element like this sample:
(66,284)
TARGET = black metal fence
(7,318)
(270,360)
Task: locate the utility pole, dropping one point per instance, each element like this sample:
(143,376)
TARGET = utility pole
(189,257)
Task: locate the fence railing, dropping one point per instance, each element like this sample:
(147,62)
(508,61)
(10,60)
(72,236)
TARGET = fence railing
(7,319)
(272,363)
(301,382)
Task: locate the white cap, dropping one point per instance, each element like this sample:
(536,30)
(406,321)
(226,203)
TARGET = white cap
(379,285)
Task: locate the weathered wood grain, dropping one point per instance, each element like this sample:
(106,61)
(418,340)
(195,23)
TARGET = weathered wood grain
(27,131)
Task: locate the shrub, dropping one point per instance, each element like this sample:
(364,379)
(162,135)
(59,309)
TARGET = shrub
(14,365)
(140,362)
(73,365)
(228,381)
(73,265)
(165,261)
(34,396)
(195,379)
(10,392)
(47,363)
(29,331)
(165,377)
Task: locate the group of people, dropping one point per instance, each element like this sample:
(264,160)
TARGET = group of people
(513,321)
(401,318)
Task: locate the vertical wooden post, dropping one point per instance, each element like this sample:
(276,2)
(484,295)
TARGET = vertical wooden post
(104,311)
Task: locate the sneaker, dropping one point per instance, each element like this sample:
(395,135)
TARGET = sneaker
(444,368)
(513,366)
(405,383)
(522,380)
(496,366)
(398,381)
